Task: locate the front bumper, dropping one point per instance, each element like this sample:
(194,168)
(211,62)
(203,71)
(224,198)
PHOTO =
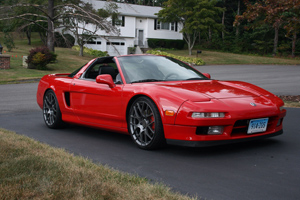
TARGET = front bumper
(189,143)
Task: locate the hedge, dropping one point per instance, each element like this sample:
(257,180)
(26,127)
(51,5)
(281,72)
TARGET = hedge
(164,43)
(192,61)
(93,52)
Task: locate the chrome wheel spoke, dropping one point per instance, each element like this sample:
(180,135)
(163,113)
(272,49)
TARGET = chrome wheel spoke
(142,123)
(50,109)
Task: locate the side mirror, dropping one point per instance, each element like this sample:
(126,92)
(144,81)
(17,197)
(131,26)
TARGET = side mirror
(207,75)
(106,79)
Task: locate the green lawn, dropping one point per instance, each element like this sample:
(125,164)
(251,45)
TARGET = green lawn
(221,58)
(68,60)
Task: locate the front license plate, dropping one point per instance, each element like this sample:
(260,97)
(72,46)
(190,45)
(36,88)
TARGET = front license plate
(257,125)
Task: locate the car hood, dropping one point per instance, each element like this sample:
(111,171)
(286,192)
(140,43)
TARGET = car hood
(208,89)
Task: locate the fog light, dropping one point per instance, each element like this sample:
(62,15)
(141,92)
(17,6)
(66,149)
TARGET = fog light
(279,122)
(215,130)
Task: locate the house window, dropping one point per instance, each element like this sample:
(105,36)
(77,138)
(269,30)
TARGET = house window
(93,42)
(165,25)
(162,25)
(115,43)
(172,26)
(118,21)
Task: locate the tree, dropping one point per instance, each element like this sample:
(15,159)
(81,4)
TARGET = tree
(194,15)
(268,11)
(52,13)
(84,28)
(292,21)
(21,25)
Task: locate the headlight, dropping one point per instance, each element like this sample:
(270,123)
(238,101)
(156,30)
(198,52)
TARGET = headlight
(208,114)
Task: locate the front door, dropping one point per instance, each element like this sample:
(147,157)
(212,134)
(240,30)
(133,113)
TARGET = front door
(141,38)
(96,103)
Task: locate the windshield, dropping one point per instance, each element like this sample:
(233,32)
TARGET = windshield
(76,71)
(150,68)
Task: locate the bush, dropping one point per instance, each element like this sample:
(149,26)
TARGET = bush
(168,44)
(39,57)
(93,52)
(192,61)
(9,41)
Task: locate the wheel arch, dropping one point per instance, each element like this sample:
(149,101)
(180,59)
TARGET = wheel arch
(142,95)
(58,97)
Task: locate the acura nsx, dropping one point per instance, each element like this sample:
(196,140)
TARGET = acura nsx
(159,100)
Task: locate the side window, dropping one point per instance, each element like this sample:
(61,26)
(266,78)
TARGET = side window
(103,68)
(111,69)
(93,71)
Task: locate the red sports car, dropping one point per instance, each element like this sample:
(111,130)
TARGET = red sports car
(159,100)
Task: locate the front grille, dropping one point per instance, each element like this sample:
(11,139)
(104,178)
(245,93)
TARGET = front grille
(240,127)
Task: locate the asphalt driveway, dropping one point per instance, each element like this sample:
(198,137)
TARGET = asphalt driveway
(267,169)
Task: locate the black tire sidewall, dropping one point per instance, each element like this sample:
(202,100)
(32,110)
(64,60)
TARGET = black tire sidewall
(158,140)
(58,123)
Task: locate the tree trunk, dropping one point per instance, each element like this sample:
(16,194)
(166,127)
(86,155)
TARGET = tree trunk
(275,39)
(50,30)
(199,37)
(238,13)
(223,23)
(188,40)
(28,34)
(43,37)
(294,44)
(81,50)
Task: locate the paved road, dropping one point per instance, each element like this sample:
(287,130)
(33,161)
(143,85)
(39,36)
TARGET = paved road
(268,169)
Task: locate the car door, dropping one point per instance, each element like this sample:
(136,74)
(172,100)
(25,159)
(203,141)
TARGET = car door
(97,103)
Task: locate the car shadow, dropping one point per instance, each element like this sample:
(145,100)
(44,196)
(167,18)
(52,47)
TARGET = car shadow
(255,145)
(122,142)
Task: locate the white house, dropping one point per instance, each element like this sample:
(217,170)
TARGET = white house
(139,23)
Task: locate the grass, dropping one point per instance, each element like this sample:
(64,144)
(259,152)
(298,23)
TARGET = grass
(68,61)
(32,170)
(291,104)
(221,58)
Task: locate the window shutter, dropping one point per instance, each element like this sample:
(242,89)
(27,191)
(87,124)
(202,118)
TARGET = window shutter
(113,21)
(155,22)
(176,25)
(123,20)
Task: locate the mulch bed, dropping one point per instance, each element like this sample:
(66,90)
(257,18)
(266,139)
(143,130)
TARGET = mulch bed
(292,98)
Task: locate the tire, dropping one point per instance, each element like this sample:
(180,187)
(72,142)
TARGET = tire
(145,125)
(51,111)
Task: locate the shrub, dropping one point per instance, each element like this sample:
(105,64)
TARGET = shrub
(192,61)
(164,43)
(93,52)
(39,57)
(9,41)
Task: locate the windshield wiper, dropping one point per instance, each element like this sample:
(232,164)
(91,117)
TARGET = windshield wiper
(194,79)
(146,80)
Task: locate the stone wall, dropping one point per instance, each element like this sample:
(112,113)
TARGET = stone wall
(4,61)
